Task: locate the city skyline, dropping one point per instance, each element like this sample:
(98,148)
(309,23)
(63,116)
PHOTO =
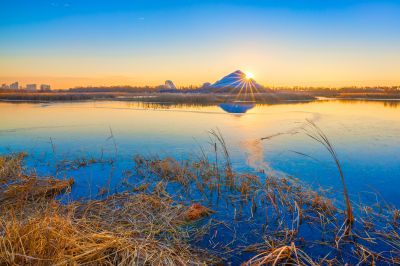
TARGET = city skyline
(28,86)
(284,43)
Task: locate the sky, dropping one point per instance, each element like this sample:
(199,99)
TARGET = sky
(121,42)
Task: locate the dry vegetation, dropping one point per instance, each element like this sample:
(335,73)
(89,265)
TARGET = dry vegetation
(178,97)
(214,98)
(193,95)
(377,95)
(124,229)
(54,96)
(168,206)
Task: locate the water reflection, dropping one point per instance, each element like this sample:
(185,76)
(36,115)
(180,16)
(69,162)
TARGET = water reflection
(255,154)
(365,134)
(236,108)
(386,103)
(392,104)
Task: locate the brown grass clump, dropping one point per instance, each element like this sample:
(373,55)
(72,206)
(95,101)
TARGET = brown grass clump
(11,167)
(284,255)
(19,188)
(197,211)
(247,183)
(33,188)
(171,170)
(322,204)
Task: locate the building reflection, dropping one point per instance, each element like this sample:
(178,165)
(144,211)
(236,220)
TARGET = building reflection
(236,108)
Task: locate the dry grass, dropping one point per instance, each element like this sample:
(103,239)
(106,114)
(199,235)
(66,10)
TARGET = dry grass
(284,255)
(314,132)
(18,188)
(55,96)
(197,211)
(11,167)
(154,225)
(52,238)
(182,96)
(212,97)
(123,229)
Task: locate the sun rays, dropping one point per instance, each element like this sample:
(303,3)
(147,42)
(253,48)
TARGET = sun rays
(249,75)
(245,86)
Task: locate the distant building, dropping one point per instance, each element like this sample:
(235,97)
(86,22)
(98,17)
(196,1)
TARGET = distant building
(45,87)
(14,86)
(206,85)
(31,87)
(169,85)
(5,87)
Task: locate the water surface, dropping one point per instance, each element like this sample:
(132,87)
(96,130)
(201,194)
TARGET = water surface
(364,133)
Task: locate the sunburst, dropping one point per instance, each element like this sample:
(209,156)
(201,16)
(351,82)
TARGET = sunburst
(249,75)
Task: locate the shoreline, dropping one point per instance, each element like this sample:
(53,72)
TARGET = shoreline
(188,97)
(119,99)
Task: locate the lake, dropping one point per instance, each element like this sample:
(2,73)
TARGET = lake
(260,138)
(365,135)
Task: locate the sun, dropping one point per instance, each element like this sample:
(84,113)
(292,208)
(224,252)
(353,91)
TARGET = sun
(249,75)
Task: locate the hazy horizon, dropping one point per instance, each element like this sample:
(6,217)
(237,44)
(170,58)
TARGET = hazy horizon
(65,83)
(283,43)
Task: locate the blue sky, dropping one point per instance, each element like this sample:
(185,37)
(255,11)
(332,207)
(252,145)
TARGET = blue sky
(82,42)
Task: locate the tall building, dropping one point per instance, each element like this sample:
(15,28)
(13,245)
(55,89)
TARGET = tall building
(4,86)
(31,87)
(45,87)
(14,86)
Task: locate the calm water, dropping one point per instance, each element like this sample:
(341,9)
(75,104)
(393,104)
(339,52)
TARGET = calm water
(365,135)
